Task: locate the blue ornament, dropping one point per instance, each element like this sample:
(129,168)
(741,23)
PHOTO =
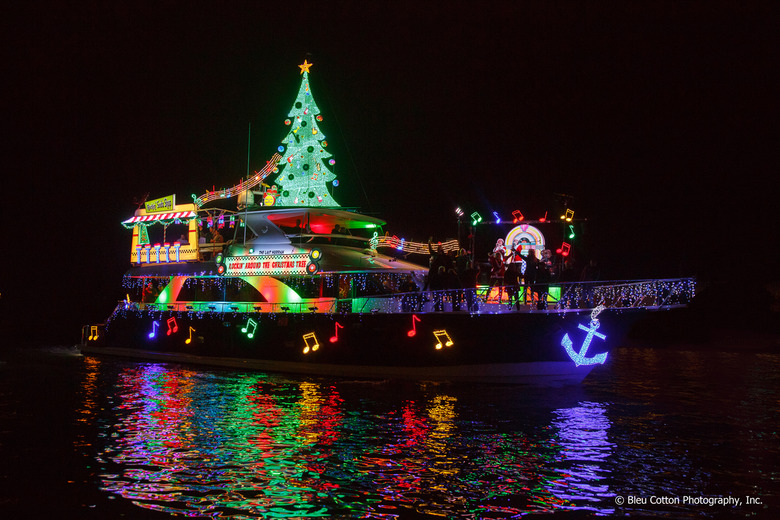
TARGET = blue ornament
(335,182)
(281,148)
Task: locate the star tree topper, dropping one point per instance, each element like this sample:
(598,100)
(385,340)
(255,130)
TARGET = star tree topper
(305,66)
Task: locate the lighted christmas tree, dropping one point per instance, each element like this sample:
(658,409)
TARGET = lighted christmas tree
(303,171)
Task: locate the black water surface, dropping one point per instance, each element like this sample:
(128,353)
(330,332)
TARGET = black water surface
(85,437)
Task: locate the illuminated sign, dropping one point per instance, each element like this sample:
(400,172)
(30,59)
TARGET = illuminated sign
(528,237)
(160,205)
(258,265)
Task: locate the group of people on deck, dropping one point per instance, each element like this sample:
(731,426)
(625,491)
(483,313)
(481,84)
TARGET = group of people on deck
(518,270)
(454,274)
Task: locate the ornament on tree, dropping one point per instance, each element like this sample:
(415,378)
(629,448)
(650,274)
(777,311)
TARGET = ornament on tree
(304,177)
(269,199)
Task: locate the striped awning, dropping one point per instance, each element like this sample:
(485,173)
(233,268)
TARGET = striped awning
(181,215)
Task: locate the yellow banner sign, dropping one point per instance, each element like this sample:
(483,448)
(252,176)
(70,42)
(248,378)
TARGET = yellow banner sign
(160,205)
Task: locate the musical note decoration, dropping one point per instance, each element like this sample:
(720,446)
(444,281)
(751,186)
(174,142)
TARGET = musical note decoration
(172,326)
(498,219)
(443,338)
(311,343)
(568,216)
(93,333)
(189,340)
(544,218)
(250,329)
(564,250)
(335,337)
(517,216)
(579,356)
(413,332)
(152,334)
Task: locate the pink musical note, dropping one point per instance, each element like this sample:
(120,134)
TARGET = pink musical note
(335,338)
(412,332)
(172,328)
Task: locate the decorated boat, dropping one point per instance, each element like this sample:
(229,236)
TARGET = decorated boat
(274,274)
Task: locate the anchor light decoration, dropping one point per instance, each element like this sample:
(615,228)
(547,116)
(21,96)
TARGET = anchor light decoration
(579,357)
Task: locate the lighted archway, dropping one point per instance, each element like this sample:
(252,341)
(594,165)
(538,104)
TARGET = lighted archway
(272,289)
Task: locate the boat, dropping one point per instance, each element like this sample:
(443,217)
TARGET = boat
(303,285)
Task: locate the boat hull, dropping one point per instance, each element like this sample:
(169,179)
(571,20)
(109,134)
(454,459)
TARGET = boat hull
(514,347)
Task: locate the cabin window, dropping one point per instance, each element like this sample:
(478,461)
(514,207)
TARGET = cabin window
(160,234)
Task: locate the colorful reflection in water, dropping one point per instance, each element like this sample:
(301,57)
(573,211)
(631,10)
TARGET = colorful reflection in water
(249,445)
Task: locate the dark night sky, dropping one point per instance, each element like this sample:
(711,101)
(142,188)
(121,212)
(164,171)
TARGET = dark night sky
(660,118)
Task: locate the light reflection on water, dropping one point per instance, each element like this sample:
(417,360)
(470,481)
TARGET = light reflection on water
(200,442)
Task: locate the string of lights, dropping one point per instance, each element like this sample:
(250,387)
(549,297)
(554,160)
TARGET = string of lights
(257,178)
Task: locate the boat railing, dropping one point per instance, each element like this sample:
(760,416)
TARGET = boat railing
(658,293)
(651,294)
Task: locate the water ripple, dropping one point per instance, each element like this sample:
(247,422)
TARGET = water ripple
(248,445)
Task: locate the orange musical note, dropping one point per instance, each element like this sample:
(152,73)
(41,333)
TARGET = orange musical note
(335,338)
(189,340)
(412,332)
(314,347)
(544,218)
(442,337)
(517,216)
(172,328)
(93,333)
